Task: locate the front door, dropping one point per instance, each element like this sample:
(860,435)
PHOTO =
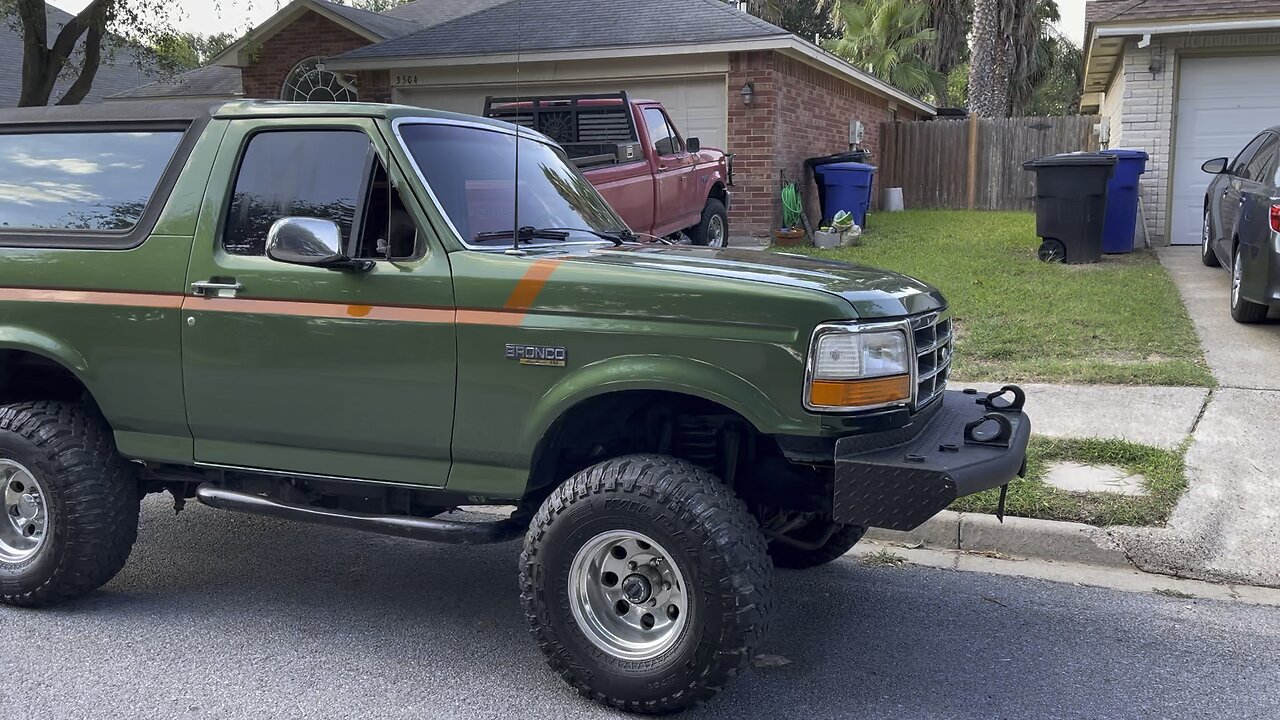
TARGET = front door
(672,174)
(1231,199)
(306,370)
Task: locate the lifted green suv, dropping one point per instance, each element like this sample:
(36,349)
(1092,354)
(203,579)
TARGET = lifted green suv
(337,314)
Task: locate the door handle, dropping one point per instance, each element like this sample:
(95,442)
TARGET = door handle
(216,288)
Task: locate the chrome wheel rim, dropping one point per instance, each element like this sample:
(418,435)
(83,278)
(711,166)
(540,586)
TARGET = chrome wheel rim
(1235,280)
(1204,234)
(715,232)
(26,521)
(627,596)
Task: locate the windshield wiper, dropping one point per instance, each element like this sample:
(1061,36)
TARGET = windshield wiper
(529,234)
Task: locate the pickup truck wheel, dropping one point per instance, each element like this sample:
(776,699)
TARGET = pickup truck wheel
(645,582)
(796,558)
(70,504)
(713,231)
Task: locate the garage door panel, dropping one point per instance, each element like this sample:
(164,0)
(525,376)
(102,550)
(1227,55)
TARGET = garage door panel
(698,105)
(1223,102)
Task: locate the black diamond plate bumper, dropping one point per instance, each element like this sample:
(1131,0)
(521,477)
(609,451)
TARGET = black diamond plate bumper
(901,478)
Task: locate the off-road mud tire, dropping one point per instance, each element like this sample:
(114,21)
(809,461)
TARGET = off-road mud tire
(719,548)
(92,500)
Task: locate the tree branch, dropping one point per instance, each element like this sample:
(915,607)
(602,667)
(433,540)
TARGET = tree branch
(92,59)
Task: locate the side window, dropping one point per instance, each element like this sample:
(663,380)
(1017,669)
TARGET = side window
(302,173)
(664,139)
(1240,166)
(81,181)
(1263,164)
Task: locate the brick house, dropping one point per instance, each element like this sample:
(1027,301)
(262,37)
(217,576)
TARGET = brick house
(1186,81)
(726,77)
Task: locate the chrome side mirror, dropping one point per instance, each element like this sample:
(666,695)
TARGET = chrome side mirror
(312,242)
(693,145)
(1216,166)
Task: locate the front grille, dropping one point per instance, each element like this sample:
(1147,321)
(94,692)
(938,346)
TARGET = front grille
(934,342)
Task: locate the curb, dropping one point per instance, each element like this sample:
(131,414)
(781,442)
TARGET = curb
(1018,537)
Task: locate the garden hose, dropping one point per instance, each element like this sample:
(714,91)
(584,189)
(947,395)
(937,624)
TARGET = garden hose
(791,205)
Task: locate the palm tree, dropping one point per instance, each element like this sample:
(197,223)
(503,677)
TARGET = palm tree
(889,39)
(950,19)
(982,63)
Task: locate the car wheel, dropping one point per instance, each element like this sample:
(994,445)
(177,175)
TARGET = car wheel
(794,557)
(645,582)
(713,231)
(1242,310)
(1207,254)
(70,504)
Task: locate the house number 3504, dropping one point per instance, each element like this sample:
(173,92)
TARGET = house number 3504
(405,80)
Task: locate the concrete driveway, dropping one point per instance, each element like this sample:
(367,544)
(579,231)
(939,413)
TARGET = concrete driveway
(1240,356)
(230,616)
(1227,527)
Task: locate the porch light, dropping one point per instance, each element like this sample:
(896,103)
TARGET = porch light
(749,94)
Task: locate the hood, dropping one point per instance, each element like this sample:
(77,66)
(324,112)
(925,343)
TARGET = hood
(872,293)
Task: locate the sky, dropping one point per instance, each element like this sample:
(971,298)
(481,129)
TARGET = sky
(236,16)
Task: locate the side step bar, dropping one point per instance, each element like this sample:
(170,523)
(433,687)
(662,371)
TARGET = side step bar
(431,529)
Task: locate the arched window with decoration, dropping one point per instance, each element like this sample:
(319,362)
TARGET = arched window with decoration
(309,81)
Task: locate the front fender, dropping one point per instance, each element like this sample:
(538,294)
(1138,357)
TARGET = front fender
(663,373)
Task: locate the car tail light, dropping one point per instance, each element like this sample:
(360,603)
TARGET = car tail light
(1275,218)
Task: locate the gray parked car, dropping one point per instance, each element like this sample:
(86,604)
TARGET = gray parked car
(1242,225)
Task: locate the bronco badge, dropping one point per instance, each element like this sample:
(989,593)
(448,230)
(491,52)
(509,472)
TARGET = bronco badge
(546,356)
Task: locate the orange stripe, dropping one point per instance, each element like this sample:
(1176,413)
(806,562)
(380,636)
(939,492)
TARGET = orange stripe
(336,311)
(85,297)
(535,278)
(293,308)
(491,317)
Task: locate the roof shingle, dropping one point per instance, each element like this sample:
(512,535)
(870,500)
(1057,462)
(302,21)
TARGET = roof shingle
(384,26)
(215,81)
(1097,11)
(535,25)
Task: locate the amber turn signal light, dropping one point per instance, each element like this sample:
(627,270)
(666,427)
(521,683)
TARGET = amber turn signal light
(857,393)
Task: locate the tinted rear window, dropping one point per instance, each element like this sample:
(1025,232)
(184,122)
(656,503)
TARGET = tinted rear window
(80,181)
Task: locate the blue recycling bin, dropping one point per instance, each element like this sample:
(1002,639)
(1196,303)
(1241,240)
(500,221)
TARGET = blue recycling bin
(1122,201)
(845,186)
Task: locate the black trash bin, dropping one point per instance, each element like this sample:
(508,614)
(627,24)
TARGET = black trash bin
(855,156)
(1071,205)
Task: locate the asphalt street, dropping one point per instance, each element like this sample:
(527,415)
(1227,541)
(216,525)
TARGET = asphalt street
(231,616)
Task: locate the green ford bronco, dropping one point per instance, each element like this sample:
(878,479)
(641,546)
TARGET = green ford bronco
(370,316)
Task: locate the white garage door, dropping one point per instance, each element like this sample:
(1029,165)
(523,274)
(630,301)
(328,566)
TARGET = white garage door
(1223,102)
(698,105)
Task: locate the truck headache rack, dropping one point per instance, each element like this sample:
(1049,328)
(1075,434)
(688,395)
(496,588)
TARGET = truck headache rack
(592,130)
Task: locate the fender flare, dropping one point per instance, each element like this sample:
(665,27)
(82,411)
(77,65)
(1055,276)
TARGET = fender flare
(47,346)
(679,375)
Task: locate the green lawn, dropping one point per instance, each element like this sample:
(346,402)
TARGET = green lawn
(1031,497)
(1021,320)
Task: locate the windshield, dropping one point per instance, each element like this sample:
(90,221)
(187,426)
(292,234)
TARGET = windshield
(472,172)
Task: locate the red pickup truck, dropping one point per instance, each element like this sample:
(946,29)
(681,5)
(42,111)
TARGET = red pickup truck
(661,183)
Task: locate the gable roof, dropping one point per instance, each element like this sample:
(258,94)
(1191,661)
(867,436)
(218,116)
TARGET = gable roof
(374,27)
(429,13)
(540,25)
(213,81)
(385,26)
(1097,11)
(123,66)
(1111,24)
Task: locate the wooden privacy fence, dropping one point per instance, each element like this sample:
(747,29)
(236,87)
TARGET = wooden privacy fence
(975,163)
